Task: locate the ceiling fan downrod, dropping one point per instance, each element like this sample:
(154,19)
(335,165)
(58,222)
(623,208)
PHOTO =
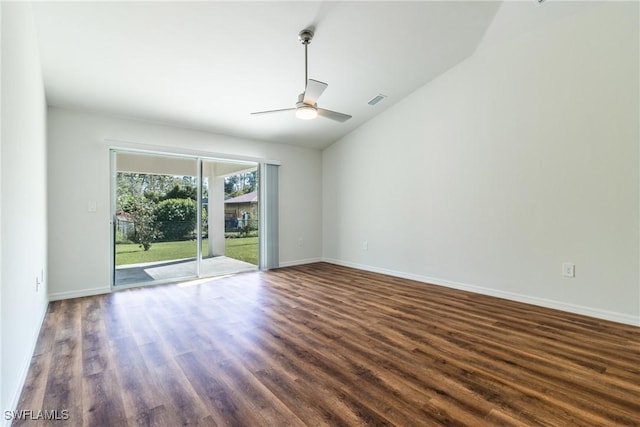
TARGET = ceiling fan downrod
(305,37)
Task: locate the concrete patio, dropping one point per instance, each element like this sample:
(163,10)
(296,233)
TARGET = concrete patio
(179,269)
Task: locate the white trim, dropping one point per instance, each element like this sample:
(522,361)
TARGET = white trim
(542,302)
(81,293)
(113,166)
(25,366)
(117,144)
(300,262)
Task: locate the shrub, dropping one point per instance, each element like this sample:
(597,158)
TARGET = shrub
(176,218)
(245,230)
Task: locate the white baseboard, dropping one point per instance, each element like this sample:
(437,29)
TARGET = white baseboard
(300,262)
(77,294)
(15,399)
(542,302)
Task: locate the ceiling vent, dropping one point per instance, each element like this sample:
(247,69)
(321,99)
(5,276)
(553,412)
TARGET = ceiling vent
(377,99)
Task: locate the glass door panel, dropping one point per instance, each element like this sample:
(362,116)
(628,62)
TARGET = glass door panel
(230,217)
(155,219)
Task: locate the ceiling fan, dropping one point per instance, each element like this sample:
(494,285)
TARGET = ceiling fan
(307,108)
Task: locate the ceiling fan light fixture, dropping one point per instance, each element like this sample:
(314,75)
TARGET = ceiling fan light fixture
(306,112)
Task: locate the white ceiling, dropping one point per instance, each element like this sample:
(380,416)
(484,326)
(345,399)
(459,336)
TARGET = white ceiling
(207,65)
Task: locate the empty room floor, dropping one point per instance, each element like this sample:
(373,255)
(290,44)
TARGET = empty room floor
(326,345)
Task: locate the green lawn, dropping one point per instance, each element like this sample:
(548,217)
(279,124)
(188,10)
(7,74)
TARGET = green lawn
(245,249)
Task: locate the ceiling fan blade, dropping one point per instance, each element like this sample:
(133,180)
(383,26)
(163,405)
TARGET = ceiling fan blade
(313,91)
(273,111)
(338,117)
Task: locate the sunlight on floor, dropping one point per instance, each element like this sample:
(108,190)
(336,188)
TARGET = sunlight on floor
(201,281)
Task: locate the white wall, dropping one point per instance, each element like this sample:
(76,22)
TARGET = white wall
(23,199)
(2,405)
(488,178)
(79,246)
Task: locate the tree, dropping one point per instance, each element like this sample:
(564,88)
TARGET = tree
(230,184)
(251,179)
(146,231)
(240,183)
(153,187)
(181,191)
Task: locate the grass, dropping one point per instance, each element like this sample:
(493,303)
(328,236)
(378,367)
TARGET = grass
(245,249)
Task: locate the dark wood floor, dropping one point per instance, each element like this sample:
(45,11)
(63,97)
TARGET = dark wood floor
(327,345)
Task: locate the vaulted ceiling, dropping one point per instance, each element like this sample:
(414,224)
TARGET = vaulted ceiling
(208,65)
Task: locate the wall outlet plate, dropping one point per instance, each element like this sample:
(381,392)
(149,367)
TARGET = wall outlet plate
(568,269)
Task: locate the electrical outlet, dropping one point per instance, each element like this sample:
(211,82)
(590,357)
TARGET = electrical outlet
(301,242)
(37,283)
(568,269)
(365,245)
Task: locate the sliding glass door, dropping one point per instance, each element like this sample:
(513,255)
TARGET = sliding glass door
(231,227)
(178,217)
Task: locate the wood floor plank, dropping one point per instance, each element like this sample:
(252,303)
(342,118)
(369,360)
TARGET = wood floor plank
(180,399)
(224,409)
(140,391)
(102,400)
(324,345)
(63,390)
(96,354)
(35,384)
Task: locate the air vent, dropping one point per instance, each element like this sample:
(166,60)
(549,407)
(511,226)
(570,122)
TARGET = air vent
(377,99)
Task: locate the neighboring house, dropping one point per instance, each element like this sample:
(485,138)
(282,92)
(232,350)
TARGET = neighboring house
(124,223)
(241,208)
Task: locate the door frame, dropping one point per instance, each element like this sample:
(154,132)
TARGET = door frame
(200,158)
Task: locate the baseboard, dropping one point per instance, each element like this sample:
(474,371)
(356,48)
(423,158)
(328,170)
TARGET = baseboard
(300,262)
(77,294)
(15,399)
(542,302)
